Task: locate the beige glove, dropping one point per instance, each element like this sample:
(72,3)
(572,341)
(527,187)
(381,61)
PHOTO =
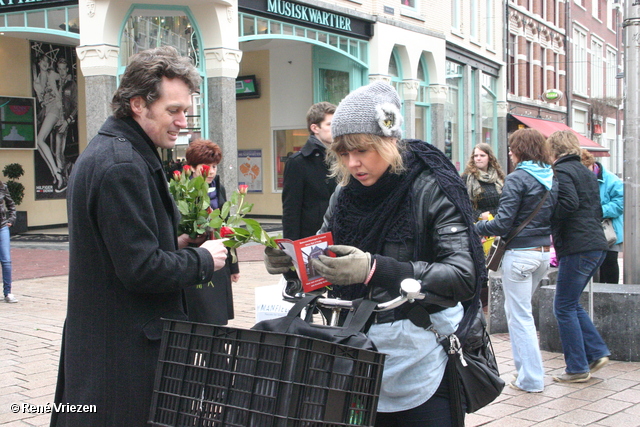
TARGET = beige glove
(350,267)
(276,261)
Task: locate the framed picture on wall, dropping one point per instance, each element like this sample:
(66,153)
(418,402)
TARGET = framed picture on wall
(250,169)
(17,123)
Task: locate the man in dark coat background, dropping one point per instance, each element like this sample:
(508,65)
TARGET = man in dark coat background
(306,187)
(127,265)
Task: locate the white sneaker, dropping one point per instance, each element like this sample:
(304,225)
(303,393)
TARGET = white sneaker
(10,298)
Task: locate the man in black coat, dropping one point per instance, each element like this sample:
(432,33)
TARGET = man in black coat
(306,187)
(127,265)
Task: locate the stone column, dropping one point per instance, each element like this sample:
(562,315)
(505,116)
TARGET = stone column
(438,98)
(410,94)
(222,69)
(99,65)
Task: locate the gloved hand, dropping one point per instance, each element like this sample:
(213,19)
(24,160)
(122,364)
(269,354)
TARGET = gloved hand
(276,261)
(350,267)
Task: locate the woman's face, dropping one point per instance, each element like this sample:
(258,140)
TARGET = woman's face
(514,158)
(365,165)
(213,170)
(481,159)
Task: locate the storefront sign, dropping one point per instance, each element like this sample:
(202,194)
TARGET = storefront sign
(303,14)
(12,5)
(309,14)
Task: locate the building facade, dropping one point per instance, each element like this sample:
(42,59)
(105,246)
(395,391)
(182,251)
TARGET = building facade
(264,62)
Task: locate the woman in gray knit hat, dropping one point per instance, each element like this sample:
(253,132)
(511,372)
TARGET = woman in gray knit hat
(400,211)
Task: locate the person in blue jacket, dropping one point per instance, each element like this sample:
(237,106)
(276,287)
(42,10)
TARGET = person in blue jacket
(612,200)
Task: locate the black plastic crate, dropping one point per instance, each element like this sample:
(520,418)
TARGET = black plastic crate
(219,376)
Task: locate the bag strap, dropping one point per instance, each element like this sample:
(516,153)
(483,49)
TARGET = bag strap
(514,233)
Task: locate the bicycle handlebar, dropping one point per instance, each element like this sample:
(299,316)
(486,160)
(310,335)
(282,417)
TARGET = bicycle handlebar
(409,292)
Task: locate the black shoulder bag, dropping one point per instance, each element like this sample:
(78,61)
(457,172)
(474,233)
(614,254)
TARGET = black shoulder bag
(499,246)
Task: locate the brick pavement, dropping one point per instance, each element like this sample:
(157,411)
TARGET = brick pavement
(30,346)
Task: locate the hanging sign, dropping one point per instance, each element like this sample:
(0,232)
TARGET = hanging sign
(552,95)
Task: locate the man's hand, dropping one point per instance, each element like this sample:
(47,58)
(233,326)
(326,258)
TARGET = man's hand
(350,267)
(218,252)
(184,240)
(276,261)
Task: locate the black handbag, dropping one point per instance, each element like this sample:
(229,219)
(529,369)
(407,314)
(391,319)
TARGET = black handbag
(474,378)
(499,246)
(350,334)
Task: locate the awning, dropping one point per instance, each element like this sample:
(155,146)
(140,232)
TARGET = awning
(547,127)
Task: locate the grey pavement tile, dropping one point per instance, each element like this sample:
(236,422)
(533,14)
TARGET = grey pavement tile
(591,394)
(538,414)
(634,410)
(565,404)
(628,395)
(581,417)
(616,384)
(621,419)
(609,406)
(510,422)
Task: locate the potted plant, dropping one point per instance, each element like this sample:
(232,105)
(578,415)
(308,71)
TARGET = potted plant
(14,171)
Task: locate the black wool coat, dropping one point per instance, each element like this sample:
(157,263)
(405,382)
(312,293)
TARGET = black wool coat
(576,222)
(125,274)
(306,191)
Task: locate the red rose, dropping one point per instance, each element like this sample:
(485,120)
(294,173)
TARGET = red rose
(204,170)
(226,231)
(243,188)
(176,175)
(187,170)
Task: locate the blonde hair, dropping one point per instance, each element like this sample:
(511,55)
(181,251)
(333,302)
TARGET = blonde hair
(389,149)
(563,143)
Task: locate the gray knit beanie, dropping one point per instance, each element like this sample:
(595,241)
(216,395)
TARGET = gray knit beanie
(372,109)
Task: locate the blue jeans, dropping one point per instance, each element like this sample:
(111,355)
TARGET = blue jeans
(522,271)
(5,259)
(581,342)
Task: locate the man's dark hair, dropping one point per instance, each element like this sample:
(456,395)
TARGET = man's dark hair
(143,77)
(316,113)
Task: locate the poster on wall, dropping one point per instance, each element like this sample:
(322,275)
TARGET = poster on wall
(250,169)
(55,87)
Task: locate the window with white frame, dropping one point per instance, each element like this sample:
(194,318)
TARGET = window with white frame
(408,3)
(489,23)
(512,49)
(612,72)
(579,3)
(475,17)
(544,67)
(595,8)
(529,71)
(597,69)
(455,15)
(580,61)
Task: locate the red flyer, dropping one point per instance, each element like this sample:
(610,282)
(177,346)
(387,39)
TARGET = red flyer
(302,252)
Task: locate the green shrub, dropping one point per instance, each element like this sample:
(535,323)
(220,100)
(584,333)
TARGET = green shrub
(14,171)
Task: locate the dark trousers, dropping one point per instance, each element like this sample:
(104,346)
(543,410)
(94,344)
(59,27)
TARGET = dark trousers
(610,270)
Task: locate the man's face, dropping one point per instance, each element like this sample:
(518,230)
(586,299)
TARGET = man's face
(323,130)
(62,69)
(163,120)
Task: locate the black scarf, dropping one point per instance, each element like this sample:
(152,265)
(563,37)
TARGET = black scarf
(367,217)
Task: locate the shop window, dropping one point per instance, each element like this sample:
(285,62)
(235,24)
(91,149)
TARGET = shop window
(423,123)
(335,85)
(286,143)
(408,3)
(489,110)
(452,115)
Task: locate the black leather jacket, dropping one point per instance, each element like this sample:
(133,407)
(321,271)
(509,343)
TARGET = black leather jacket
(7,207)
(444,265)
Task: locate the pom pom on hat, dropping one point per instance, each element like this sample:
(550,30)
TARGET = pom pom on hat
(372,109)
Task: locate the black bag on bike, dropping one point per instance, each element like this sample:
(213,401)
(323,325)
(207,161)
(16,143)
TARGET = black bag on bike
(350,334)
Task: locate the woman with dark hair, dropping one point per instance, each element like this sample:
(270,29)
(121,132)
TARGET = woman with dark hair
(484,179)
(211,302)
(526,259)
(580,248)
(400,211)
